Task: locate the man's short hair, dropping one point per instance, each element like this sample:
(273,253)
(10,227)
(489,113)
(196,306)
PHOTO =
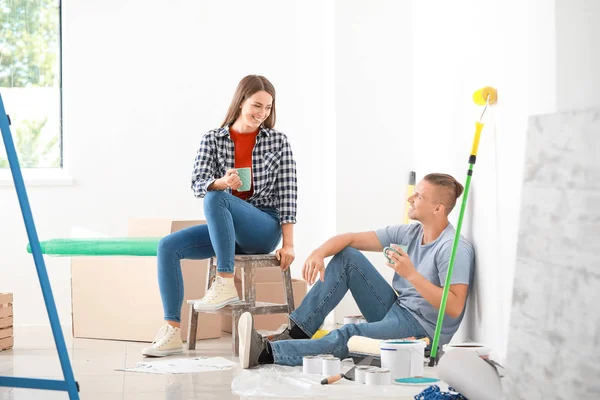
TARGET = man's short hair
(451,189)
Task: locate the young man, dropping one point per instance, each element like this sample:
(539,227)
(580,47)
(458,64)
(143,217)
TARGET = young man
(419,281)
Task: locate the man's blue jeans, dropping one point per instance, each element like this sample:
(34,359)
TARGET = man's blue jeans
(233,226)
(348,270)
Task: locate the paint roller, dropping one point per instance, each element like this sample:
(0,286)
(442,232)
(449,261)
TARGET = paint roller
(364,347)
(483,97)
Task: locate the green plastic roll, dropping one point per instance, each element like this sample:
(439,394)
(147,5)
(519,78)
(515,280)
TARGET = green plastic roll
(131,246)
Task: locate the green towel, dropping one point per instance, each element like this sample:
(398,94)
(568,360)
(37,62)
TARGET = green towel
(132,246)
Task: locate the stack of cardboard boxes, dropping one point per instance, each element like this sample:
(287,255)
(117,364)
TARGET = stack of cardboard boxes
(118,297)
(6,321)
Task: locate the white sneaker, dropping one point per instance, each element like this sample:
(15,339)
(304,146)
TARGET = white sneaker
(220,294)
(167,342)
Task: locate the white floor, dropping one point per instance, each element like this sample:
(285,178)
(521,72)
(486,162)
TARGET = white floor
(94,363)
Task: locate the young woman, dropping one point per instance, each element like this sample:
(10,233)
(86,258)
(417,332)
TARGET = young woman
(248,222)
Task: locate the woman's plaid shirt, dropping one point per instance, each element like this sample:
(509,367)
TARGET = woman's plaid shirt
(273,169)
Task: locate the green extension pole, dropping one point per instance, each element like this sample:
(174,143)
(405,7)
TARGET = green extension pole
(488,95)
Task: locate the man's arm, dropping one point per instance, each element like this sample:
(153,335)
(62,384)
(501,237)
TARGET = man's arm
(315,263)
(365,241)
(457,294)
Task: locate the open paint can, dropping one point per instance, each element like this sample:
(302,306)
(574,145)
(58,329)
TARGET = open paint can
(477,348)
(404,358)
(312,365)
(378,376)
(360,373)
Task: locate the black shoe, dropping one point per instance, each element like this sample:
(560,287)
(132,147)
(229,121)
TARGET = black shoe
(252,344)
(285,335)
(288,334)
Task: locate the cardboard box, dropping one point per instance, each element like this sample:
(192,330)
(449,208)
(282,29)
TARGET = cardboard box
(118,297)
(6,332)
(6,321)
(7,343)
(6,311)
(271,292)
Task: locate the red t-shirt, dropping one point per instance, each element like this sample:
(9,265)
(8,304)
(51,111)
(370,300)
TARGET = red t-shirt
(244,145)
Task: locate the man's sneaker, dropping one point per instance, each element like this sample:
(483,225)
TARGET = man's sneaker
(220,294)
(285,335)
(167,342)
(251,342)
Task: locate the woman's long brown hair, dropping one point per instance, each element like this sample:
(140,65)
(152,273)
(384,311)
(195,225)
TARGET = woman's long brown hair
(246,88)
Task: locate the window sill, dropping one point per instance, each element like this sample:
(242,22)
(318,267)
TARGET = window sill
(38,177)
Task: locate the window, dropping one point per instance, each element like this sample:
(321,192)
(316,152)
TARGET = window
(30,80)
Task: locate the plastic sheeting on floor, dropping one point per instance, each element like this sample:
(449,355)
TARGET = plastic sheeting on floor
(182,365)
(277,381)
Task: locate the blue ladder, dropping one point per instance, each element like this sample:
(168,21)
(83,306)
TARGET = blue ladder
(68,385)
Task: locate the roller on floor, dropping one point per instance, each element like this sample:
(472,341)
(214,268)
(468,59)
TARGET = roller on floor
(131,246)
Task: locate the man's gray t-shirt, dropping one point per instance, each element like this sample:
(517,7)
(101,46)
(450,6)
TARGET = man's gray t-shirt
(431,261)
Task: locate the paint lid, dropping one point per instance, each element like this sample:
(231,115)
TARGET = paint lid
(394,345)
(478,348)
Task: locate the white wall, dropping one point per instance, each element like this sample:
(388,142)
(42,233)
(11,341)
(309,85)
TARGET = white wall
(508,45)
(374,118)
(142,83)
(415,71)
(578,54)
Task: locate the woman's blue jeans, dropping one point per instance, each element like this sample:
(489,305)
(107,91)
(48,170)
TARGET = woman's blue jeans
(233,226)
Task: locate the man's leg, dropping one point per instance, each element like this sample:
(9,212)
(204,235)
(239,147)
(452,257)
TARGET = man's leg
(397,324)
(348,270)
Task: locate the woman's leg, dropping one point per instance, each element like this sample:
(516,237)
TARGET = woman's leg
(192,243)
(231,220)
(234,224)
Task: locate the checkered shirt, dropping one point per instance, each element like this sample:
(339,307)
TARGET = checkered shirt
(273,169)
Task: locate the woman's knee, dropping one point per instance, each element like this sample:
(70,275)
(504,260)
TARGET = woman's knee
(167,246)
(214,197)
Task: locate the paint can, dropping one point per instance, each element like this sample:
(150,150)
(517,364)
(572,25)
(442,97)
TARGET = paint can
(360,373)
(404,358)
(331,366)
(378,376)
(478,348)
(324,355)
(312,365)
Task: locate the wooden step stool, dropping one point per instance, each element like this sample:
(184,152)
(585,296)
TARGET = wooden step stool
(248,265)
